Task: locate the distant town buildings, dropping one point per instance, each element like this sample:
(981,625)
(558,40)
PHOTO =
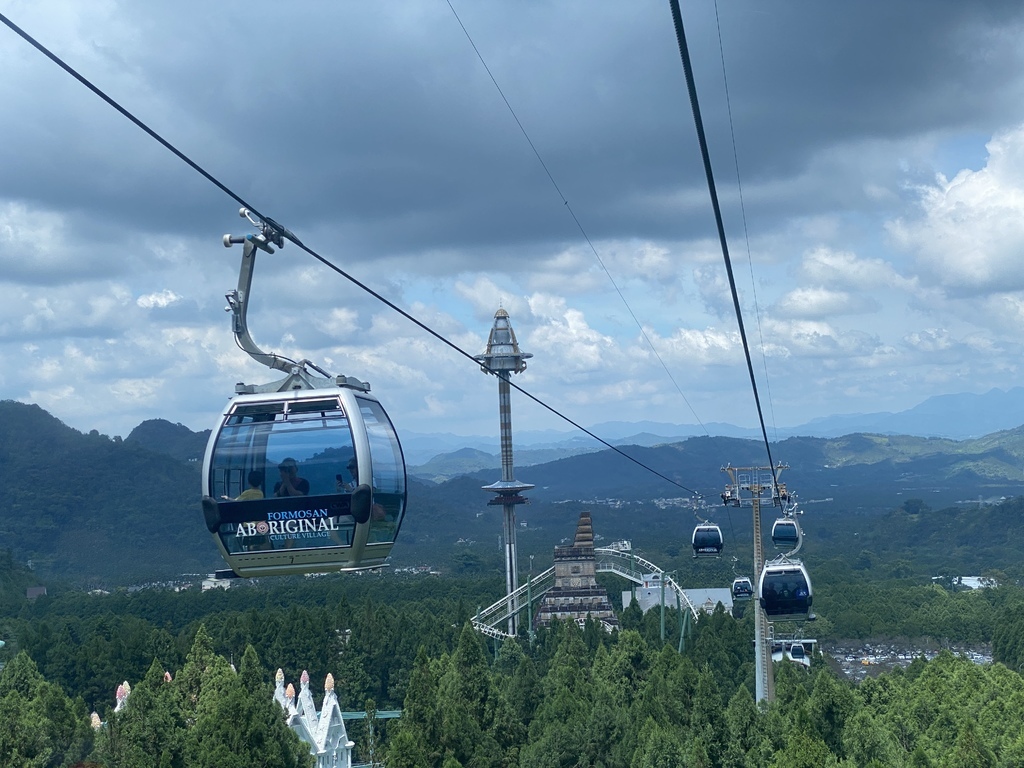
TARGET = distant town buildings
(975,582)
(212,582)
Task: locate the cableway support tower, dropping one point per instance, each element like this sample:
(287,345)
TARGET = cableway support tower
(746,486)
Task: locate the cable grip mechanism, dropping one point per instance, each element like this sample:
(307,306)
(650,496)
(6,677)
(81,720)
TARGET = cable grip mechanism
(270,233)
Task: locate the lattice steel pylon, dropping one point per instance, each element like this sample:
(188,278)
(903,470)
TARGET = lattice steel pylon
(503,358)
(746,486)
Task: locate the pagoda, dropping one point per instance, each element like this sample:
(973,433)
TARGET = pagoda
(576,594)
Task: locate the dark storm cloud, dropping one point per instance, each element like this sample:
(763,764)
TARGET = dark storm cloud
(380,121)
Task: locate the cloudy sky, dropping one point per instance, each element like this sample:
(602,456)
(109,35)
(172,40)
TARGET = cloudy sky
(879,147)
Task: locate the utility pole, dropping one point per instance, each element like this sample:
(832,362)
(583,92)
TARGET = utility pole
(503,358)
(746,486)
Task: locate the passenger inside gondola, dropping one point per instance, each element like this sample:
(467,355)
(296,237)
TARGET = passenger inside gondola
(255,489)
(344,486)
(290,483)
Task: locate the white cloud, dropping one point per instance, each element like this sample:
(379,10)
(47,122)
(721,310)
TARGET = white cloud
(930,340)
(715,293)
(969,237)
(158,300)
(820,303)
(572,271)
(843,269)
(564,335)
(485,295)
(138,391)
(688,347)
(413,176)
(337,322)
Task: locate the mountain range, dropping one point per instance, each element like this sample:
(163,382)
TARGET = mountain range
(955,417)
(101,511)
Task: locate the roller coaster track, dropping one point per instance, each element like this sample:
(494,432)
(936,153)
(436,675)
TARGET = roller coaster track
(491,620)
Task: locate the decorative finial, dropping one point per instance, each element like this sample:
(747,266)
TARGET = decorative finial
(304,680)
(503,353)
(289,692)
(95,722)
(329,683)
(279,677)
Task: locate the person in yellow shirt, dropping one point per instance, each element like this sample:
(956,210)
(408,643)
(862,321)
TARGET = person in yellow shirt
(255,490)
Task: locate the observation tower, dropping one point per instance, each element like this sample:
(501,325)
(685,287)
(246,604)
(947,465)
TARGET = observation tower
(503,358)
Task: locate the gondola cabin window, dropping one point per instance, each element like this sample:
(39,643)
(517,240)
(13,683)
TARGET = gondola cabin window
(388,475)
(312,435)
(299,449)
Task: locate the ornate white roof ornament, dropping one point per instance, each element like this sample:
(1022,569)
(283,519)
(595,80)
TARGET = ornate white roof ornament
(323,731)
(121,695)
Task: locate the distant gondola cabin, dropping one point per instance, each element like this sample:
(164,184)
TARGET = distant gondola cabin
(785,592)
(707,540)
(785,533)
(742,589)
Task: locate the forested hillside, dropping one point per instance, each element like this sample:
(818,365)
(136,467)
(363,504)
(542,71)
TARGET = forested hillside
(93,509)
(206,714)
(571,697)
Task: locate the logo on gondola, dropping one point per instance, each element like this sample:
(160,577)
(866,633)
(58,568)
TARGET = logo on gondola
(302,523)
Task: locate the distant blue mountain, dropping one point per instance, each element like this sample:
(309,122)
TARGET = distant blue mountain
(956,417)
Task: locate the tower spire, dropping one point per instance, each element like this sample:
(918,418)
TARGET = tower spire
(503,358)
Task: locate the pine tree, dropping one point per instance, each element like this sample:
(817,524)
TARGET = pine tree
(462,699)
(238,724)
(150,725)
(39,725)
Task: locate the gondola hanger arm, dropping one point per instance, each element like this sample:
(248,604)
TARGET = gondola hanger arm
(271,234)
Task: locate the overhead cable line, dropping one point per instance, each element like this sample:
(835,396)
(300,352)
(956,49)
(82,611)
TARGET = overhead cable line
(572,213)
(743,217)
(387,302)
(691,87)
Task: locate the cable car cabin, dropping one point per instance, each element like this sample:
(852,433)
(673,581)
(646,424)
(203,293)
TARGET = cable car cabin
(791,650)
(707,540)
(785,533)
(742,589)
(785,593)
(306,481)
